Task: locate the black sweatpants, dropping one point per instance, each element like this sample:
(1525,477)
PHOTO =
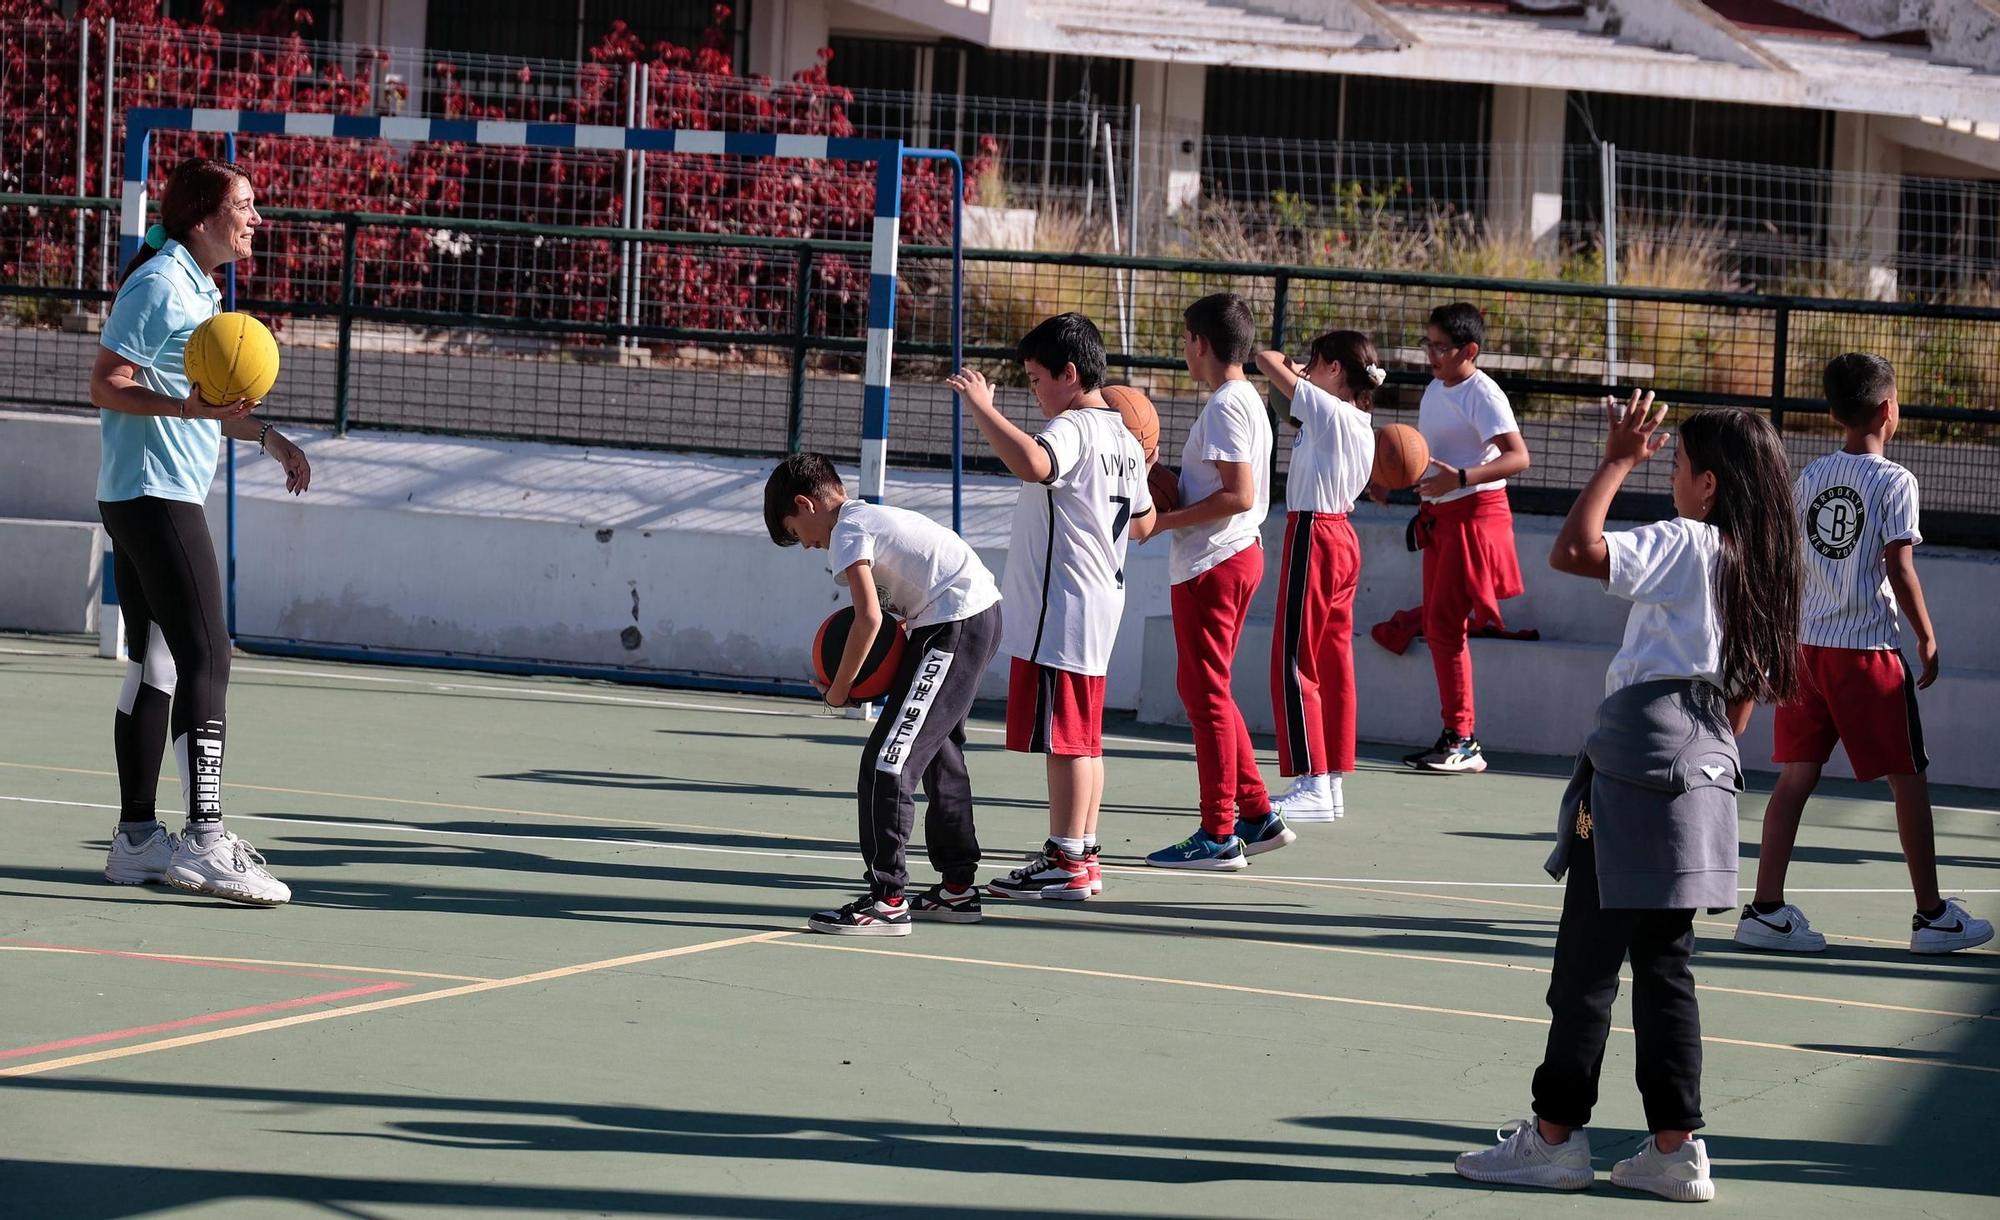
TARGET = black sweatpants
(921,739)
(178,640)
(1591,946)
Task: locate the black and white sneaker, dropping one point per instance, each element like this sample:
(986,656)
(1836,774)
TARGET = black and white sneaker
(1784,930)
(946,906)
(1452,754)
(865,916)
(1953,929)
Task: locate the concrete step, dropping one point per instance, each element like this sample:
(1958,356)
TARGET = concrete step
(53,572)
(1540,697)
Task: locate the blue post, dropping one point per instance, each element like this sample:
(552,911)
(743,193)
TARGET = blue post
(229,302)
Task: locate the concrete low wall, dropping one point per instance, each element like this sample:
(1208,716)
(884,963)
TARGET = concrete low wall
(50,574)
(613,558)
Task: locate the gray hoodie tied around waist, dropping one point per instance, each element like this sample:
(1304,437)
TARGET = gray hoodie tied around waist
(1658,780)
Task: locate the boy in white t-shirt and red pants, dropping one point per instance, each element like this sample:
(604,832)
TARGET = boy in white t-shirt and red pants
(894,560)
(1083,491)
(1215,565)
(1464,528)
(1312,646)
(1861,535)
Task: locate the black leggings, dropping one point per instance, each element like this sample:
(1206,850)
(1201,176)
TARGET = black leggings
(178,641)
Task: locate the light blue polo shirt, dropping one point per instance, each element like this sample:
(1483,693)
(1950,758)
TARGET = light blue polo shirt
(159,455)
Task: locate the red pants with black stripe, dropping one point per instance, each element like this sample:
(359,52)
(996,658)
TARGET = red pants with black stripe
(1469,568)
(1312,650)
(1208,622)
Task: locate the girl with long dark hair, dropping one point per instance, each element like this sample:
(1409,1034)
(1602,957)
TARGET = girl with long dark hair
(1647,828)
(161,440)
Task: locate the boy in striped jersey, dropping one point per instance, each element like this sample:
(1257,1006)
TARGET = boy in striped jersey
(1861,532)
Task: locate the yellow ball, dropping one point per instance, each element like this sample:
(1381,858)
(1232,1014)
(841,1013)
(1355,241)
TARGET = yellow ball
(232,356)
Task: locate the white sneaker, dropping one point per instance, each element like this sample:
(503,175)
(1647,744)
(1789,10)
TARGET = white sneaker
(1311,798)
(1784,930)
(1948,933)
(144,864)
(1524,1158)
(227,868)
(1680,1175)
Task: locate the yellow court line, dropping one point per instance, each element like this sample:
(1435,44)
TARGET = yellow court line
(354,1010)
(252,961)
(398,800)
(1358,1002)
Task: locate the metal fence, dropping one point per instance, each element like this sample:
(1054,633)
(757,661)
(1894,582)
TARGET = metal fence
(1100,177)
(404,346)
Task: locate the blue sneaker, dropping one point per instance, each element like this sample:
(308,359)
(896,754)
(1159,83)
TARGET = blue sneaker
(1201,850)
(1267,833)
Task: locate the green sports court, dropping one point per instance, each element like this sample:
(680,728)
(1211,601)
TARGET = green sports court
(544,958)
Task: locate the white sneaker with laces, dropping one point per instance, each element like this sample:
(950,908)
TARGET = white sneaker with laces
(228,867)
(1784,930)
(1680,1175)
(1311,798)
(1954,930)
(1524,1158)
(144,863)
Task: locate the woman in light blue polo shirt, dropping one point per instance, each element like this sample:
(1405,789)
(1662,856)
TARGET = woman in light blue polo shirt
(160,444)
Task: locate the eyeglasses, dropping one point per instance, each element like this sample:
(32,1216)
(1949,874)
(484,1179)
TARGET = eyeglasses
(1438,349)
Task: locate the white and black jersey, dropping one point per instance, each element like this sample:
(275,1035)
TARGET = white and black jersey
(1853,506)
(1064,585)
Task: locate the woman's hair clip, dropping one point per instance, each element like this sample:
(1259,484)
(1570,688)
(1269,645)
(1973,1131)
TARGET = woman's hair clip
(1376,374)
(156,236)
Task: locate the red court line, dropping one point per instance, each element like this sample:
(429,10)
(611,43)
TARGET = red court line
(209,1019)
(169,960)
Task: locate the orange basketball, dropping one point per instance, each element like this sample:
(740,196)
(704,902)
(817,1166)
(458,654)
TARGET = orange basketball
(1140,419)
(1401,456)
(878,669)
(1165,487)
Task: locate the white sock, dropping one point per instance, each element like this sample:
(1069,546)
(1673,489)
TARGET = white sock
(1332,782)
(1089,841)
(1071,847)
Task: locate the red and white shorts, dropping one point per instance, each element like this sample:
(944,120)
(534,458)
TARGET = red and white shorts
(1054,711)
(1864,698)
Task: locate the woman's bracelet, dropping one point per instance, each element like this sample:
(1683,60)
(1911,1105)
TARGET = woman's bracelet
(262,433)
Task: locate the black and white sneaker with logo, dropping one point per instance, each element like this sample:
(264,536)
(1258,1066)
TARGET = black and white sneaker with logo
(1784,930)
(865,916)
(945,905)
(1949,931)
(1451,754)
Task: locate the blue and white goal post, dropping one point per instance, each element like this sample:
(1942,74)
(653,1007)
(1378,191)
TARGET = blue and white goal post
(888,156)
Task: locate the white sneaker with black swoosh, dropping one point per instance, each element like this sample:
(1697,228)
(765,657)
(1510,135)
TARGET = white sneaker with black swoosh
(1784,930)
(1948,933)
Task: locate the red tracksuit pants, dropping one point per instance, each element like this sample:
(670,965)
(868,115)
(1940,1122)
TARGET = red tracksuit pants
(1208,622)
(1312,650)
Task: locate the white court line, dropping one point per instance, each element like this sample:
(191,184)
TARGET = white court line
(780,854)
(630,701)
(31,652)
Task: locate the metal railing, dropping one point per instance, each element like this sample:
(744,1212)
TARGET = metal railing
(784,371)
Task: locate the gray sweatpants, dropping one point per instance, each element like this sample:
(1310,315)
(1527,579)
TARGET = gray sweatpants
(921,739)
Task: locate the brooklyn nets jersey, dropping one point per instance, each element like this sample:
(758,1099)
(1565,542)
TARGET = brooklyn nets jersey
(1854,505)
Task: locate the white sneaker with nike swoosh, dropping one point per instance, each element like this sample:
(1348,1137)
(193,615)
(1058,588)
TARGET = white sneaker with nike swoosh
(1784,930)
(1954,930)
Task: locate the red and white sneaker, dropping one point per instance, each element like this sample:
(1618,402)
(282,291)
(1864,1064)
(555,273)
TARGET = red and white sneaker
(865,916)
(1050,873)
(1096,872)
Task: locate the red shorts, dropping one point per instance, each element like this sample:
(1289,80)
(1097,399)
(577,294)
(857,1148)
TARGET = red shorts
(1864,698)
(1054,711)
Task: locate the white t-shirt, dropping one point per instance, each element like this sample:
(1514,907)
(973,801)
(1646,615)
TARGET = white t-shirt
(923,571)
(1333,452)
(1459,423)
(1667,570)
(1065,577)
(1233,427)
(1854,505)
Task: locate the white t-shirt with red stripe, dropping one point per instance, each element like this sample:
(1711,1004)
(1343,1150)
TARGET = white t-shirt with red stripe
(1064,585)
(1333,452)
